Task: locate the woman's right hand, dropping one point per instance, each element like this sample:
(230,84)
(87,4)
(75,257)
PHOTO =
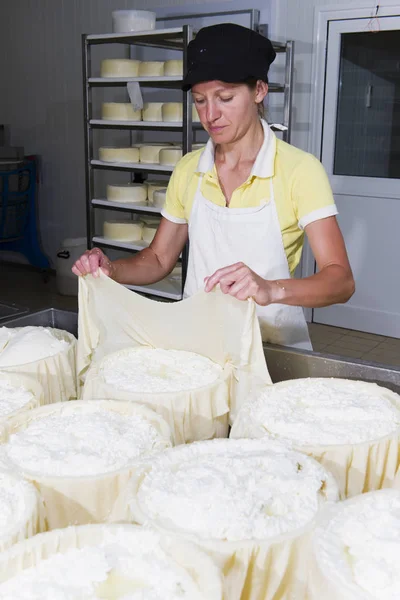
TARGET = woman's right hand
(91,261)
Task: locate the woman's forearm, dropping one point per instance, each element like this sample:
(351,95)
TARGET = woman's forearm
(332,285)
(142,269)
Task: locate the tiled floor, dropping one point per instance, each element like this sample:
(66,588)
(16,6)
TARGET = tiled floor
(27,287)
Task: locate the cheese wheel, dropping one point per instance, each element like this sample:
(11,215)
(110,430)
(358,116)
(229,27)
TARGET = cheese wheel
(119,155)
(159,197)
(173,68)
(172,111)
(152,111)
(151,154)
(117,67)
(123,231)
(170,156)
(151,69)
(129,192)
(152,186)
(195,115)
(120,111)
(149,231)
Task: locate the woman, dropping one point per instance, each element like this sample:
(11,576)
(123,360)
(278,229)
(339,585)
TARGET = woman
(244,201)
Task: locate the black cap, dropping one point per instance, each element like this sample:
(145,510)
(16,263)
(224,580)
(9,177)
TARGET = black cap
(228,52)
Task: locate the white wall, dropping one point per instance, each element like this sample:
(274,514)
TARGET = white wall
(40,64)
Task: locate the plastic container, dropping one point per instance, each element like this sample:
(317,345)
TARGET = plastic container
(125,21)
(71,249)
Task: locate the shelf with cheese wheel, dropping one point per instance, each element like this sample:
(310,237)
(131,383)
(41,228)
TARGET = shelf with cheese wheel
(142,167)
(126,206)
(169,39)
(150,125)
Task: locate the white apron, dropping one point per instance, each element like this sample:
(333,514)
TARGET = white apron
(221,236)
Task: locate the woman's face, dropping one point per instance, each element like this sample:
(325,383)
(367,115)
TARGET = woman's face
(227,110)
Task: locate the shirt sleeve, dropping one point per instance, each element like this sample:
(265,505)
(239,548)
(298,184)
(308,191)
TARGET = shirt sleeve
(173,209)
(311,192)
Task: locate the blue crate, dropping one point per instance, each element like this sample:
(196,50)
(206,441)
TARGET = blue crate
(18,231)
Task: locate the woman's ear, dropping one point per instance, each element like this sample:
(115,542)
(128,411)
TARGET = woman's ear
(261,90)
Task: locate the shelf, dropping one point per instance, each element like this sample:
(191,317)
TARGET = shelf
(109,243)
(151,125)
(166,288)
(148,168)
(158,82)
(171,38)
(125,206)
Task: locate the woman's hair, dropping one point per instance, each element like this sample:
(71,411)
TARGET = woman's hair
(251,83)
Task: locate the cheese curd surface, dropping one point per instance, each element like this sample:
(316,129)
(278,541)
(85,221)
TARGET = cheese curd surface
(82,443)
(127,566)
(23,345)
(17,500)
(231,490)
(154,370)
(360,545)
(12,398)
(325,411)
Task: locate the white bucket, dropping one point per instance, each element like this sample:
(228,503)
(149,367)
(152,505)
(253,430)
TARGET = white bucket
(71,249)
(125,21)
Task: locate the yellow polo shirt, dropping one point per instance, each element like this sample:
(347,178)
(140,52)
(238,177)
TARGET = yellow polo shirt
(301,189)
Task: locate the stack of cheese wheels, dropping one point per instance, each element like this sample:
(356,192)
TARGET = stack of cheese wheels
(120,111)
(117,67)
(173,68)
(81,454)
(159,197)
(108,561)
(44,353)
(190,391)
(21,509)
(250,504)
(152,186)
(126,193)
(351,427)
(152,111)
(123,231)
(18,393)
(169,157)
(150,153)
(119,155)
(152,68)
(356,549)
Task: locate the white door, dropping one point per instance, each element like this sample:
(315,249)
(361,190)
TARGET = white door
(361,153)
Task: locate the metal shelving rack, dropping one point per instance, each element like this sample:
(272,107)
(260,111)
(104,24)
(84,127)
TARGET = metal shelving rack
(176,38)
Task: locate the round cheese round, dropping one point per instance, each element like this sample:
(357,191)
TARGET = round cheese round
(149,370)
(117,67)
(120,111)
(172,111)
(119,155)
(123,231)
(173,68)
(159,197)
(170,156)
(152,186)
(231,490)
(125,21)
(356,549)
(150,154)
(96,562)
(152,111)
(128,192)
(151,69)
(27,344)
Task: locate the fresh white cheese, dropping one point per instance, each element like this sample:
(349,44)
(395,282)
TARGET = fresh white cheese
(120,111)
(128,192)
(117,67)
(29,344)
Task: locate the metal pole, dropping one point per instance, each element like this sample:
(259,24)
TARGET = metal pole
(87,103)
(288,94)
(187,133)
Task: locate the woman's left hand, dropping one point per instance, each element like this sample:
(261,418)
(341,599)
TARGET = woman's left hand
(240,281)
